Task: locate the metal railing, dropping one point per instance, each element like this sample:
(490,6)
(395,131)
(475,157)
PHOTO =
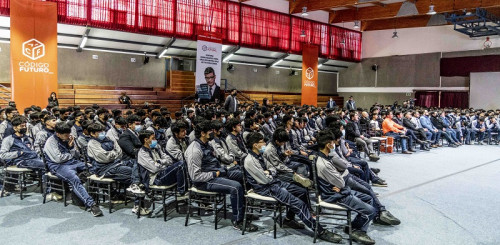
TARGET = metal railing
(228,86)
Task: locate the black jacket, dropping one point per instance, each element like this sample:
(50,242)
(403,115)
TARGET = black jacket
(437,122)
(130,144)
(408,124)
(352,130)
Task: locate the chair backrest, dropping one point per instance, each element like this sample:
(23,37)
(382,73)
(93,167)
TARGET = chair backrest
(244,176)
(315,177)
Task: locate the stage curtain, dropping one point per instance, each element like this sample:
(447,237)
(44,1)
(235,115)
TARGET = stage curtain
(455,99)
(427,98)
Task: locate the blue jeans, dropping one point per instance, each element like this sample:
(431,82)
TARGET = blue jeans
(67,172)
(480,135)
(364,172)
(231,184)
(33,164)
(396,136)
(171,175)
(357,184)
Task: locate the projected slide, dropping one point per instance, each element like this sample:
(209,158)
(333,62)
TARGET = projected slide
(485,90)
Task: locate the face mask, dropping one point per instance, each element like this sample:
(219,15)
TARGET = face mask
(92,116)
(242,118)
(343,132)
(262,149)
(105,118)
(110,119)
(275,116)
(270,120)
(22,131)
(161,130)
(138,128)
(223,120)
(153,144)
(64,118)
(101,136)
(211,136)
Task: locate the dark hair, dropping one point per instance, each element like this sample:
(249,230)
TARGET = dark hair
(337,134)
(217,125)
(231,123)
(203,126)
(160,121)
(62,128)
(140,113)
(133,118)
(156,114)
(248,122)
(16,121)
(324,137)
(145,134)
(48,118)
(77,114)
(209,70)
(95,127)
(286,118)
(27,110)
(116,113)
(101,111)
(177,126)
(9,110)
(253,138)
(281,135)
(121,121)
(85,124)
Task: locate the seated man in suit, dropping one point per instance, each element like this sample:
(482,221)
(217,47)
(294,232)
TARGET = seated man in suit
(215,93)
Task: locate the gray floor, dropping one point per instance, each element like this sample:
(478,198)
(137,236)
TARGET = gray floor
(446,196)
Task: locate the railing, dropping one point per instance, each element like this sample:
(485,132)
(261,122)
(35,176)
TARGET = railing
(4,96)
(228,86)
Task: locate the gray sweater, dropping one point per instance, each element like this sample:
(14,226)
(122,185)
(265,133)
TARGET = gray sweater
(154,162)
(253,167)
(193,156)
(328,172)
(273,160)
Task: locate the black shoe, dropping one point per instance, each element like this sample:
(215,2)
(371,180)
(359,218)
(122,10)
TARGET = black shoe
(249,226)
(95,210)
(379,183)
(291,223)
(362,237)
(252,217)
(412,150)
(374,157)
(387,218)
(375,170)
(330,236)
(406,152)
(425,148)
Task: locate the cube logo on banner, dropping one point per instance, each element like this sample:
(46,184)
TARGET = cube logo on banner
(33,49)
(310,73)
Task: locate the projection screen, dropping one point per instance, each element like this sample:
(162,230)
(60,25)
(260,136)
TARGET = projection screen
(485,90)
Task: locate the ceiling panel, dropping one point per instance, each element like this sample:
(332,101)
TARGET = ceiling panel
(127,46)
(270,54)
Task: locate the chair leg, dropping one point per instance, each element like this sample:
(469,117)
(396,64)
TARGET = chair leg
(317,224)
(225,208)
(20,181)
(109,195)
(188,209)
(64,192)
(215,212)
(163,194)
(245,218)
(275,220)
(349,226)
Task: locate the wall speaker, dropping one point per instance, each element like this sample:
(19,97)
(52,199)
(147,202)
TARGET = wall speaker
(375,67)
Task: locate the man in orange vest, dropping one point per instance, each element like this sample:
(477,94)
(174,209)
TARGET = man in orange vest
(392,129)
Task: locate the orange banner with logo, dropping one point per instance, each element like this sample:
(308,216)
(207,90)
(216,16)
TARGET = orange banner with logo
(310,75)
(33,51)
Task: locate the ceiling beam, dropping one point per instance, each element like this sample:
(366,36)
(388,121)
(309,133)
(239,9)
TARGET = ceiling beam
(367,13)
(312,5)
(396,23)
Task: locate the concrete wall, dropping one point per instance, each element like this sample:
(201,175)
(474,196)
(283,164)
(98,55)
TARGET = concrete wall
(109,69)
(268,80)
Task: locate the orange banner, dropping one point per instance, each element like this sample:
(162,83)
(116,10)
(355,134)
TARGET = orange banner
(310,75)
(33,51)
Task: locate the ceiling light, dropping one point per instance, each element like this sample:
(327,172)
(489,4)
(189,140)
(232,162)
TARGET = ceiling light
(431,10)
(320,65)
(163,53)
(395,34)
(304,12)
(303,33)
(356,24)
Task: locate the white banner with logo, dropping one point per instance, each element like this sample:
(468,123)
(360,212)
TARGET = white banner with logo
(208,69)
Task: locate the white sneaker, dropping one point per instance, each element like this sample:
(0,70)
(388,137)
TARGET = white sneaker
(183,197)
(144,211)
(136,190)
(305,182)
(54,197)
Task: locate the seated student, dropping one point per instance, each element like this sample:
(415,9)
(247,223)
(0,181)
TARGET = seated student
(17,149)
(492,126)
(439,125)
(395,130)
(36,121)
(208,174)
(421,134)
(103,118)
(277,159)
(426,122)
(448,125)
(83,139)
(76,129)
(130,144)
(162,169)
(295,197)
(354,134)
(478,128)
(333,189)
(105,156)
(61,156)
(47,131)
(235,140)
(117,129)
(220,146)
(398,119)
(178,143)
(268,127)
(158,128)
(415,120)
(6,126)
